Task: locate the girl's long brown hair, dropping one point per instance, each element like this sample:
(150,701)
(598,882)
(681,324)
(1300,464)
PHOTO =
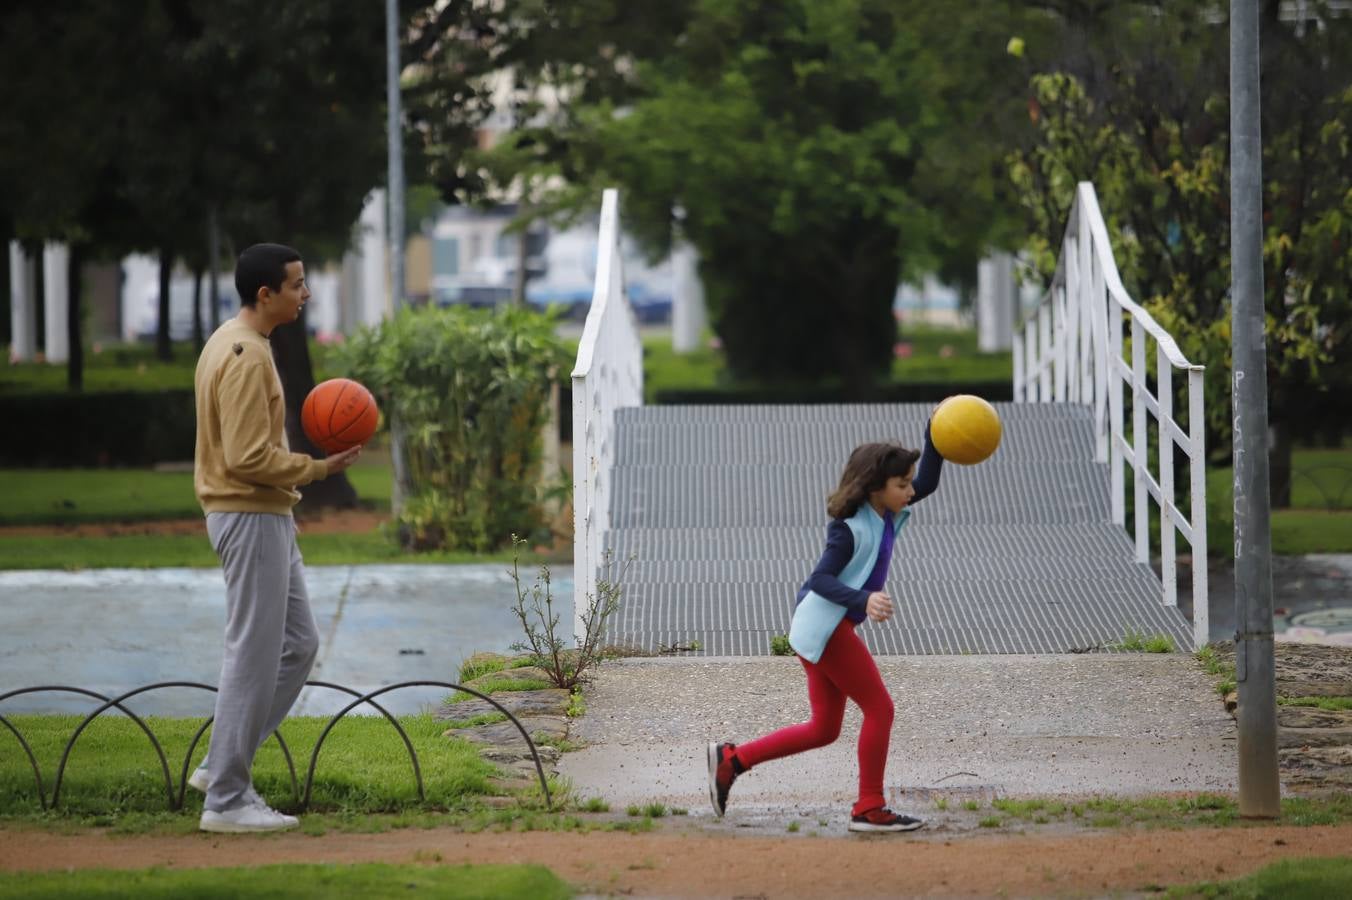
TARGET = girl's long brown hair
(869,467)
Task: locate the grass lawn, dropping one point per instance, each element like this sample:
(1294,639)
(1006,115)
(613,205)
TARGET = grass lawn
(1290,879)
(363,767)
(69,496)
(1320,518)
(123,367)
(477,882)
(1198,810)
(364,781)
(83,496)
(127,367)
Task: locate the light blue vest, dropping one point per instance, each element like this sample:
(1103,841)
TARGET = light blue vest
(816,618)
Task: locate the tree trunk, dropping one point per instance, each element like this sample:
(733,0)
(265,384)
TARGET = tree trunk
(291,353)
(1279,465)
(197,311)
(75,361)
(865,328)
(163,349)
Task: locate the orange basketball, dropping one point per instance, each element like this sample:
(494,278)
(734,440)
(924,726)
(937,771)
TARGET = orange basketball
(339,413)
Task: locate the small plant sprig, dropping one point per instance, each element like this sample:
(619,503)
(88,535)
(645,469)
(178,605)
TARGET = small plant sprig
(779,646)
(534,609)
(1139,642)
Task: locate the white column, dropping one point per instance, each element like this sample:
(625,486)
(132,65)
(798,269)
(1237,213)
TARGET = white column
(324,314)
(140,287)
(995,302)
(350,303)
(23,320)
(375,298)
(55,274)
(687,299)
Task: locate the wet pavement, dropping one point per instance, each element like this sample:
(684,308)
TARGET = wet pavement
(966,728)
(1311,598)
(111,630)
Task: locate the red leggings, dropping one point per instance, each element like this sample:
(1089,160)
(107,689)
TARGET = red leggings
(846,669)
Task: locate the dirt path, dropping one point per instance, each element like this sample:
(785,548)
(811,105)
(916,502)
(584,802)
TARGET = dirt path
(683,862)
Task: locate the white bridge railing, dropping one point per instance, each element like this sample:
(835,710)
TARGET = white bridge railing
(608,375)
(1071,352)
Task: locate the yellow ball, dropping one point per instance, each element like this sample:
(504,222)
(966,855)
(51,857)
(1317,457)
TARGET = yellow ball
(965,429)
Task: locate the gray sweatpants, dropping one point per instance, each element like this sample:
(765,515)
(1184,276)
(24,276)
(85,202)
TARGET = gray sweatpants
(270,644)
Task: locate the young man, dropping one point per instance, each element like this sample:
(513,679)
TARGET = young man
(246,478)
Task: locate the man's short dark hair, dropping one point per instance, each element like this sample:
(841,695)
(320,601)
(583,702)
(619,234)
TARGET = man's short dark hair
(262,265)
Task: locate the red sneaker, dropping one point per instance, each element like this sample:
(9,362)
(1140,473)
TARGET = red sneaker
(723,771)
(883,819)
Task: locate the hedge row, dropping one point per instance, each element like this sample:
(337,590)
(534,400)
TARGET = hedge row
(139,428)
(120,428)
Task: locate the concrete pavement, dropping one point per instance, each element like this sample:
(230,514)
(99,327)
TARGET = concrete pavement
(966,727)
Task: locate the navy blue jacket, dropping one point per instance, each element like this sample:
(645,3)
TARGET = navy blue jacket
(840,543)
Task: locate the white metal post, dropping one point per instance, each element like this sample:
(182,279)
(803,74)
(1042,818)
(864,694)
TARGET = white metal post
(1116,414)
(1201,610)
(1064,309)
(1140,445)
(1033,361)
(1045,353)
(1099,306)
(1086,299)
(1164,371)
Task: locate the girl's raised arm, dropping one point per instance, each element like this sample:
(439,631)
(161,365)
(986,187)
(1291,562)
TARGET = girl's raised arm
(927,471)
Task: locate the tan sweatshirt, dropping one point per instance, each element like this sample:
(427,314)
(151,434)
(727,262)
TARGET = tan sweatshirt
(243,462)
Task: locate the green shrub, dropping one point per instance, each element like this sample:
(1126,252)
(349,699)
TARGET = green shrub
(779,645)
(470,390)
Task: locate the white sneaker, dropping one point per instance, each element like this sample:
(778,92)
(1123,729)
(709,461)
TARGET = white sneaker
(256,799)
(248,818)
(198,780)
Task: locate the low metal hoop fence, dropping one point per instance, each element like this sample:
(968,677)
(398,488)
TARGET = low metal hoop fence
(175,800)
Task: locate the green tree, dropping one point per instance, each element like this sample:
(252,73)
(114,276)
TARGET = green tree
(471,389)
(297,140)
(819,151)
(1151,130)
(58,179)
(271,114)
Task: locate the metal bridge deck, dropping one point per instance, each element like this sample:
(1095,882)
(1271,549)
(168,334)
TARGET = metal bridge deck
(723,510)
